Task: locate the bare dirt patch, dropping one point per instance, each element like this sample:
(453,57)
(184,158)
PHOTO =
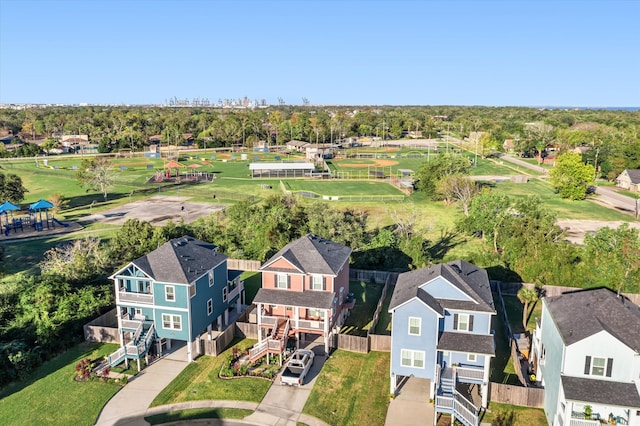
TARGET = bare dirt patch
(577,229)
(157,210)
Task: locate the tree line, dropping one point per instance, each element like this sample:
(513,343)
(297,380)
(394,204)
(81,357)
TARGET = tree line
(607,139)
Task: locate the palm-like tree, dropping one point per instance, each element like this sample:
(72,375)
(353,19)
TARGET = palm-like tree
(527,296)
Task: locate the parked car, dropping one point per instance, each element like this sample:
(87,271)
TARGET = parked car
(297,368)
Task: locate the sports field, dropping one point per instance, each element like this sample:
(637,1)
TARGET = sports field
(343,188)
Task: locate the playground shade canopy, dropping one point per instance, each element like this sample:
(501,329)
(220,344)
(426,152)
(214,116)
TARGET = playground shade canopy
(8,206)
(41,205)
(260,169)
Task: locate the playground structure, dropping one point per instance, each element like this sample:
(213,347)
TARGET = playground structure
(38,217)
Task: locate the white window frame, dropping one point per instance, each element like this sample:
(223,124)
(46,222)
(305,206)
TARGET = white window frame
(319,312)
(466,322)
(410,355)
(419,326)
(279,278)
(314,282)
(210,278)
(472,357)
(170,296)
(174,322)
(209,306)
(224,293)
(137,312)
(603,367)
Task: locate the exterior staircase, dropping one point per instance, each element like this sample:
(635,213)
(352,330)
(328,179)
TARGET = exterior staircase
(138,347)
(275,343)
(449,400)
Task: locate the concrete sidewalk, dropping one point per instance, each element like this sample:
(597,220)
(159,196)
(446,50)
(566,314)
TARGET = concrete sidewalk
(130,404)
(411,406)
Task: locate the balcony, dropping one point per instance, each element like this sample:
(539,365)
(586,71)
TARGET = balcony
(235,290)
(131,297)
(470,374)
(299,325)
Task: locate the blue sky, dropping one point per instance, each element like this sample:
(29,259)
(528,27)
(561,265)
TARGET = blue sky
(522,53)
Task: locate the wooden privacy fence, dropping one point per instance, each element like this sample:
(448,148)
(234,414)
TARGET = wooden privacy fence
(511,289)
(391,281)
(103,329)
(351,343)
(516,395)
(380,342)
(367,275)
(243,264)
(246,330)
(217,345)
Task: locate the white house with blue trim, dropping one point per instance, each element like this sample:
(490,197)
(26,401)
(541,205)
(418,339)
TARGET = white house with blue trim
(175,293)
(441,332)
(586,354)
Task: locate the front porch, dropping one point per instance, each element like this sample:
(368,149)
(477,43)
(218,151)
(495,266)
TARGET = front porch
(461,392)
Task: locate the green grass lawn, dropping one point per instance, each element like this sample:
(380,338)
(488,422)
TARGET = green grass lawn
(502,370)
(524,415)
(344,187)
(52,397)
(198,413)
(200,381)
(352,389)
(384,320)
(367,296)
(252,283)
(565,209)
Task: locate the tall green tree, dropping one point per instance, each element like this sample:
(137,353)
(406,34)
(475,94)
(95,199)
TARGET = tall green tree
(11,188)
(97,174)
(444,165)
(570,177)
(527,296)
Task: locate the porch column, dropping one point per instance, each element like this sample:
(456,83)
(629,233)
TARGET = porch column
(326,331)
(209,328)
(226,317)
(219,323)
(259,315)
(484,390)
(189,350)
(238,305)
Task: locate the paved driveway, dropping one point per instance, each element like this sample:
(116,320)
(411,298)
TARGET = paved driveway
(130,404)
(411,406)
(282,405)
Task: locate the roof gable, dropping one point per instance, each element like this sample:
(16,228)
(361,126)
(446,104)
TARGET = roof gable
(634,175)
(441,288)
(180,261)
(581,314)
(464,278)
(312,255)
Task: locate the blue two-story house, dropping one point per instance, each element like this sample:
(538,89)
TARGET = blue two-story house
(175,293)
(441,332)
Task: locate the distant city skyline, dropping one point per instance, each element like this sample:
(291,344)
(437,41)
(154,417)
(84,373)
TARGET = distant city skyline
(354,52)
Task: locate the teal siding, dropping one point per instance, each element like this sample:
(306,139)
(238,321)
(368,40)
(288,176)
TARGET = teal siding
(181,293)
(200,319)
(182,334)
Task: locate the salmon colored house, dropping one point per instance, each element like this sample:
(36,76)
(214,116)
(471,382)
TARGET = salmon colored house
(304,294)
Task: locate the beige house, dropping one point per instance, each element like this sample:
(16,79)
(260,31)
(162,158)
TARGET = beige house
(629,179)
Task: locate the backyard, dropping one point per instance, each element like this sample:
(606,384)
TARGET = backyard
(360,318)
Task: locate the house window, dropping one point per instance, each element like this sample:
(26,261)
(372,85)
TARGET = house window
(282,281)
(171,322)
(597,366)
(414,326)
(463,322)
(170,293)
(209,306)
(137,312)
(210,278)
(471,357)
(315,313)
(192,289)
(224,294)
(409,358)
(317,282)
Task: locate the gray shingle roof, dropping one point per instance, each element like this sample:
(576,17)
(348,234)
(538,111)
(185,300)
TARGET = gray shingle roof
(466,342)
(303,299)
(601,391)
(468,278)
(180,261)
(313,255)
(634,175)
(581,314)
